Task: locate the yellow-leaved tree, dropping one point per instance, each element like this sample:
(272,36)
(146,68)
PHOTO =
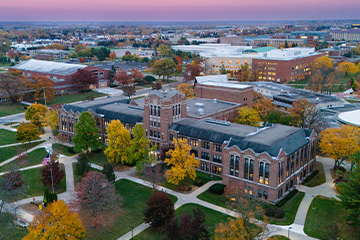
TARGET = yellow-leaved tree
(348,67)
(248,116)
(340,143)
(56,222)
(119,142)
(187,89)
(181,161)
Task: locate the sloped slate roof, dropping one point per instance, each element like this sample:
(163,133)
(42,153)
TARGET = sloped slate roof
(123,112)
(49,67)
(93,105)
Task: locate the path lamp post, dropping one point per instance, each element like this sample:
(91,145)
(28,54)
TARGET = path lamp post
(289,232)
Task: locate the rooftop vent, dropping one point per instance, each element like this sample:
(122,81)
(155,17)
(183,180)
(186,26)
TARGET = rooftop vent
(215,100)
(200,112)
(220,122)
(187,109)
(199,105)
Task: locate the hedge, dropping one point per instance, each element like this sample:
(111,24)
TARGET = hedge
(274,212)
(217,189)
(199,182)
(311,176)
(286,198)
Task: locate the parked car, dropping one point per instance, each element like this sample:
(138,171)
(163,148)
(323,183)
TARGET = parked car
(21,223)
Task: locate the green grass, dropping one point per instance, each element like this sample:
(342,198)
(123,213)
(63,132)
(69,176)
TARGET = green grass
(98,158)
(9,152)
(33,158)
(8,109)
(212,219)
(207,177)
(77,178)
(10,123)
(320,178)
(7,137)
(290,207)
(62,149)
(278,237)
(8,231)
(134,197)
(324,212)
(35,187)
(72,98)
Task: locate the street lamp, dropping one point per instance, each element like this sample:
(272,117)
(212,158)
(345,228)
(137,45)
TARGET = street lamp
(289,232)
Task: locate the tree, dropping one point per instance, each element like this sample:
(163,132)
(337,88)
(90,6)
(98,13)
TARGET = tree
(10,187)
(122,77)
(193,69)
(181,161)
(108,171)
(187,89)
(27,132)
(350,196)
(56,222)
(222,69)
(263,105)
(83,78)
(16,59)
(119,142)
(79,48)
(129,90)
(58,174)
(36,113)
(97,199)
(165,50)
(248,116)
(51,116)
(156,86)
(163,68)
(245,73)
(178,59)
(112,55)
(189,228)
(86,133)
(340,143)
(82,165)
(348,68)
(155,173)
(160,209)
(12,85)
(136,75)
(42,87)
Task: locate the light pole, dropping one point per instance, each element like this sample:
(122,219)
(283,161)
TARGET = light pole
(44,96)
(289,232)
(132,233)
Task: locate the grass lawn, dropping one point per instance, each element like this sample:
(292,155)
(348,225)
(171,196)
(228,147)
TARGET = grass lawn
(62,149)
(72,98)
(278,237)
(35,186)
(149,85)
(98,158)
(9,152)
(33,158)
(212,219)
(320,178)
(11,123)
(8,109)
(77,178)
(8,137)
(290,207)
(324,212)
(134,197)
(8,231)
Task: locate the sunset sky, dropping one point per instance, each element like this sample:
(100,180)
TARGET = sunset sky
(177,10)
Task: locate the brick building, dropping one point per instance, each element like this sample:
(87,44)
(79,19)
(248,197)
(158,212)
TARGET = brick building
(284,65)
(61,73)
(269,160)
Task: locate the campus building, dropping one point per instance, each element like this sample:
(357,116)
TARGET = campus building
(265,162)
(61,73)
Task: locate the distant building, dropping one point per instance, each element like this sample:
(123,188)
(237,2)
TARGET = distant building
(347,35)
(284,65)
(61,73)
(48,54)
(276,42)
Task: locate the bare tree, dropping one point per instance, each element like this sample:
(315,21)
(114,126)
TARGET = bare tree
(12,86)
(11,187)
(97,200)
(129,90)
(155,174)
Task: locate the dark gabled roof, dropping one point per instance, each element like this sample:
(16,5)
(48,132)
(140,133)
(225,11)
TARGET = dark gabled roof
(93,105)
(123,112)
(273,139)
(211,131)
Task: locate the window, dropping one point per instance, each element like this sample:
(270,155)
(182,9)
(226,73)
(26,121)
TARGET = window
(204,167)
(151,109)
(158,112)
(287,166)
(171,136)
(217,147)
(260,194)
(246,168)
(251,170)
(217,158)
(205,155)
(158,125)
(237,166)
(158,134)
(63,122)
(195,152)
(193,142)
(267,168)
(232,161)
(261,172)
(216,170)
(154,110)
(205,145)
(151,133)
(265,195)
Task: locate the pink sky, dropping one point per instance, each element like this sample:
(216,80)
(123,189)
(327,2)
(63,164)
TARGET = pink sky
(176,10)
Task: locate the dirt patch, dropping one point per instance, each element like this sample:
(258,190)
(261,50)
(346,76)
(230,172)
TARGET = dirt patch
(32,208)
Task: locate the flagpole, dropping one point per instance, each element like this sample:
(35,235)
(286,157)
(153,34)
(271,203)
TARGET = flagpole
(52,181)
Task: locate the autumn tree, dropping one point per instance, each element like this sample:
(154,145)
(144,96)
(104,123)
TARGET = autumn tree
(245,73)
(79,48)
(193,69)
(57,46)
(160,209)
(181,161)
(190,227)
(348,68)
(136,75)
(112,55)
(36,114)
(86,133)
(139,149)
(42,88)
(56,222)
(178,59)
(51,116)
(129,90)
(323,75)
(97,199)
(11,187)
(340,143)
(187,89)
(122,77)
(263,105)
(155,173)
(12,85)
(118,142)
(27,132)
(164,68)
(165,50)
(58,174)
(83,78)
(156,86)
(248,116)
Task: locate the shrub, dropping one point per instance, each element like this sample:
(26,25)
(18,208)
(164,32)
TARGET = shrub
(99,150)
(287,198)
(342,169)
(108,171)
(199,182)
(113,85)
(217,189)
(311,176)
(82,166)
(71,150)
(149,79)
(274,212)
